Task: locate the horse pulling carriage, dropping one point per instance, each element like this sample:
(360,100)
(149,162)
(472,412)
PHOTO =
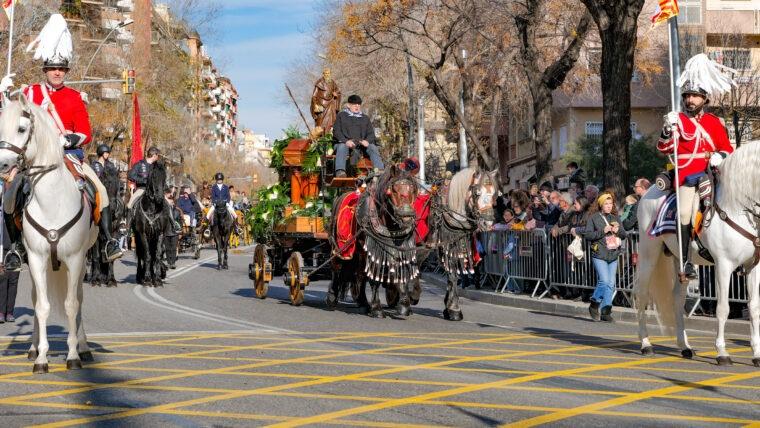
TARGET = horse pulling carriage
(378,227)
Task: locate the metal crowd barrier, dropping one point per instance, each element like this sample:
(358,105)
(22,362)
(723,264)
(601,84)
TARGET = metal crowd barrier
(535,257)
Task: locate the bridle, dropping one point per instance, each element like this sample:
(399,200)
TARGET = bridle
(30,171)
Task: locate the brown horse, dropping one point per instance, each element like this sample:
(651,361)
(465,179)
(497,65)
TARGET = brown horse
(384,222)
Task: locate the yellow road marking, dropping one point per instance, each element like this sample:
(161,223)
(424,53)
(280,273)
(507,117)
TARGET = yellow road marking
(630,398)
(322,418)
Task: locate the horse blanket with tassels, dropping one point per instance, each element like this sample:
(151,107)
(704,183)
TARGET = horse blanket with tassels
(345,233)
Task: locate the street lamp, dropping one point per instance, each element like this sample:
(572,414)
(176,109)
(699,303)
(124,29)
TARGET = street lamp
(121,24)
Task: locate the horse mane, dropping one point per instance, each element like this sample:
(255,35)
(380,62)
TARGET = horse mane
(44,147)
(740,178)
(460,184)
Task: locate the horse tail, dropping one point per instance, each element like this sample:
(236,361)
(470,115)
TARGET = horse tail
(659,290)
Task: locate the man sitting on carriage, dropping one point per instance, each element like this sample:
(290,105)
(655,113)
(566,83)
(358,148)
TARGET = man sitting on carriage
(189,206)
(702,141)
(353,130)
(69,112)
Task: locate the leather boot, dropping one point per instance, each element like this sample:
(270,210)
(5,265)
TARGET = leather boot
(593,310)
(688,267)
(113,251)
(16,254)
(607,314)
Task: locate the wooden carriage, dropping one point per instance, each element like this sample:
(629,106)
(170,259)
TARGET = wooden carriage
(300,247)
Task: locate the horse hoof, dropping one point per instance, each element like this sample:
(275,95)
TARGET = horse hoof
(452,315)
(405,311)
(32,355)
(40,368)
(724,361)
(756,362)
(649,351)
(86,356)
(330,303)
(73,364)
(218,268)
(414,301)
(687,353)
(377,313)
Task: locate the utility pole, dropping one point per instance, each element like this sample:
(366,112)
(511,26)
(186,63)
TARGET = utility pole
(463,162)
(412,113)
(421,137)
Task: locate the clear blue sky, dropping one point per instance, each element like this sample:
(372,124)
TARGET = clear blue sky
(260,39)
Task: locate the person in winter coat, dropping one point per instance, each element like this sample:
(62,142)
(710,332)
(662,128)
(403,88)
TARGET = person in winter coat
(605,233)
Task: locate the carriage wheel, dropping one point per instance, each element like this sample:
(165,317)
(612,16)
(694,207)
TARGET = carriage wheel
(295,279)
(261,271)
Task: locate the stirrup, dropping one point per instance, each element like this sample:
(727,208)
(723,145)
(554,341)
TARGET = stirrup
(12,261)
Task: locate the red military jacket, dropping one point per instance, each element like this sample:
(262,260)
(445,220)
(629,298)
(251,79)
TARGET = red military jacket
(69,106)
(696,144)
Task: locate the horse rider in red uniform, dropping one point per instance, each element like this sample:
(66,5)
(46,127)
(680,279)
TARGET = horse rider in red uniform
(67,108)
(702,141)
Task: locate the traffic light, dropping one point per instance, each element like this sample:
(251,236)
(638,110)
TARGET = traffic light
(128,86)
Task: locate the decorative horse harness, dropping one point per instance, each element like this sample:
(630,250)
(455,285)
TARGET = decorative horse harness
(35,172)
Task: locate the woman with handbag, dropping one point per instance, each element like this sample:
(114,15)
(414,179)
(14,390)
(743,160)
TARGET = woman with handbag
(605,234)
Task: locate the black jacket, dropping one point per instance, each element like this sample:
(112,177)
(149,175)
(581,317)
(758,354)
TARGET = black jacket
(594,232)
(140,173)
(348,127)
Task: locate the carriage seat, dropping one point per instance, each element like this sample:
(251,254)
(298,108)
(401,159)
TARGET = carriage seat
(356,166)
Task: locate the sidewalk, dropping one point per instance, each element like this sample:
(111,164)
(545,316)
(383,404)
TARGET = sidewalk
(570,308)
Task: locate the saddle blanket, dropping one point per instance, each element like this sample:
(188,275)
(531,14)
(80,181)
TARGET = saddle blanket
(666,220)
(345,230)
(422,208)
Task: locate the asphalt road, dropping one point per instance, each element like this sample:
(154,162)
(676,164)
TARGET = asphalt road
(203,351)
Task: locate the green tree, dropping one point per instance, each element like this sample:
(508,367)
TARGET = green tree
(645,161)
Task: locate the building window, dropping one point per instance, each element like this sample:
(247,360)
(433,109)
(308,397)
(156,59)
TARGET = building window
(594,129)
(690,12)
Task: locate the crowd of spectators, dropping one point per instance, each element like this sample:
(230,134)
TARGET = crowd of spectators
(566,212)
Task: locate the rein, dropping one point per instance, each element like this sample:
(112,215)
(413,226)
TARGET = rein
(743,232)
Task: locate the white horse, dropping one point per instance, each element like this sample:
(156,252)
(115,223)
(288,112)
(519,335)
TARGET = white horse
(738,195)
(56,224)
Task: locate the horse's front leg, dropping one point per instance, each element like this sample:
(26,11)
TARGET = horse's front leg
(73,277)
(331,301)
(376,310)
(404,306)
(753,291)
(32,354)
(452,311)
(158,263)
(224,261)
(38,268)
(679,300)
(722,280)
(83,347)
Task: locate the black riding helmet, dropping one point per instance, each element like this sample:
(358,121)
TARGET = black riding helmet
(103,148)
(219,176)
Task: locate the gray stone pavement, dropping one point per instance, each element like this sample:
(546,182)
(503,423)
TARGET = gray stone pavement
(203,351)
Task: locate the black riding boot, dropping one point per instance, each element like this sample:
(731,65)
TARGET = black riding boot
(113,251)
(688,267)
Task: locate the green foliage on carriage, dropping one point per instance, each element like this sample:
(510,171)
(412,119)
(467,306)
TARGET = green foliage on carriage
(318,207)
(312,159)
(267,211)
(278,146)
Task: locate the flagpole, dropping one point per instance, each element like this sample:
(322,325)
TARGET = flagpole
(10,38)
(675,104)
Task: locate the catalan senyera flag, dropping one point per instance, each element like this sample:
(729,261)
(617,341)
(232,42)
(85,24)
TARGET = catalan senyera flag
(7,6)
(666,9)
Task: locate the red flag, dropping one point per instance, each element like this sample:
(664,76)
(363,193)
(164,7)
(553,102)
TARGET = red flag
(7,6)
(137,149)
(666,9)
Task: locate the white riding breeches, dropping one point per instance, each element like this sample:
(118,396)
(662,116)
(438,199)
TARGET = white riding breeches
(136,194)
(688,203)
(229,209)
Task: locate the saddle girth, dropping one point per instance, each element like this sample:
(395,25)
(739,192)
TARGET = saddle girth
(743,232)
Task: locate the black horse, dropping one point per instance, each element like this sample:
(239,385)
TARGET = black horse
(150,220)
(100,269)
(221,228)
(385,251)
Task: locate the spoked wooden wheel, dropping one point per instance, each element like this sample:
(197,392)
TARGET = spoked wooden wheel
(262,271)
(295,278)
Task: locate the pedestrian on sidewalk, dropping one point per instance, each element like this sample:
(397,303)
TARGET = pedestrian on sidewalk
(605,233)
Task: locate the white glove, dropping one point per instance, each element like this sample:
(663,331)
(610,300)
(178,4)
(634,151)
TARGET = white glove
(671,119)
(717,158)
(85,97)
(6,82)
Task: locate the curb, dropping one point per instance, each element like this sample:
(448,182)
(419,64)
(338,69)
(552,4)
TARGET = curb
(562,307)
